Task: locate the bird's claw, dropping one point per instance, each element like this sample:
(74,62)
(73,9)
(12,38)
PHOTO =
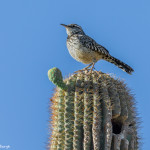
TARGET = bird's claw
(82,70)
(86,69)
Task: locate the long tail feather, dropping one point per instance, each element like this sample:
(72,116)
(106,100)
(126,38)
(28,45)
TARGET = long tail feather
(119,64)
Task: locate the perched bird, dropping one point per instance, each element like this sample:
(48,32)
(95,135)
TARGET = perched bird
(86,50)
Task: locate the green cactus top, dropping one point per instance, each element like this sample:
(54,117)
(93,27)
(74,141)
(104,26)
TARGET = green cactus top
(55,76)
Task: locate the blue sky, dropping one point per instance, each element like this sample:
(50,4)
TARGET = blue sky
(32,41)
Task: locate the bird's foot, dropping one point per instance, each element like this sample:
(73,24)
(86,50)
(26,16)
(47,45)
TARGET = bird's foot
(83,70)
(92,67)
(87,69)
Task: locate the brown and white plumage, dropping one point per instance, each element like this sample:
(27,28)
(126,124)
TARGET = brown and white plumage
(86,50)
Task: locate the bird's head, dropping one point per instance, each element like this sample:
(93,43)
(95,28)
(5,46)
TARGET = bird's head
(73,29)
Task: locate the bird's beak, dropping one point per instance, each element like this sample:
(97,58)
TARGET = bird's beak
(64,25)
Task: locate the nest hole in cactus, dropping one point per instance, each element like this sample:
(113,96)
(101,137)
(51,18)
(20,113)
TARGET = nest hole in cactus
(116,126)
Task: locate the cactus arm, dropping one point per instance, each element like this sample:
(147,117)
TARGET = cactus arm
(55,76)
(97,116)
(87,112)
(78,113)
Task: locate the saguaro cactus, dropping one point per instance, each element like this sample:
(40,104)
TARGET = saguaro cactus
(92,111)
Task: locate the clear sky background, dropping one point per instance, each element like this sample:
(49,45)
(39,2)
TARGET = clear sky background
(32,41)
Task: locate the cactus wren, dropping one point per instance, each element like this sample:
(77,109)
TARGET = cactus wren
(84,49)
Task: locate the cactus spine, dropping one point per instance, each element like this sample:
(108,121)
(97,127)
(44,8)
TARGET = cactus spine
(92,111)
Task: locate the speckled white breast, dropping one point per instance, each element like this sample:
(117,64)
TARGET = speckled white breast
(81,53)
